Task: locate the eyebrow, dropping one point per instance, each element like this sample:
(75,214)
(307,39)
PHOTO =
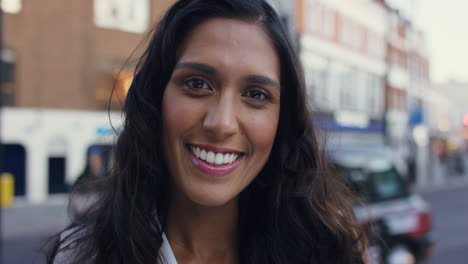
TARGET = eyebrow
(262,80)
(201,67)
(197,66)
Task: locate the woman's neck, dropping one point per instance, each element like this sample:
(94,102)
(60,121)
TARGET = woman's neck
(199,234)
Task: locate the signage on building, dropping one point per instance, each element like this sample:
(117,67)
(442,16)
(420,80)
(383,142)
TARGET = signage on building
(416,116)
(125,15)
(352,119)
(353,122)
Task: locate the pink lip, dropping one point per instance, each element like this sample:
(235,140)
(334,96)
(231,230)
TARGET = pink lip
(214,170)
(217,149)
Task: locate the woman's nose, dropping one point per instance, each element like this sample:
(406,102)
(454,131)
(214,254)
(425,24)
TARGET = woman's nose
(221,120)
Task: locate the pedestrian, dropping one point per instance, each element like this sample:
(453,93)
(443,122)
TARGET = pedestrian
(94,168)
(90,184)
(218,161)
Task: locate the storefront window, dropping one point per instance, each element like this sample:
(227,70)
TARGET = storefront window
(112,88)
(316,73)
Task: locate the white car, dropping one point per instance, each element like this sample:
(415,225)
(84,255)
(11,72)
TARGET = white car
(398,221)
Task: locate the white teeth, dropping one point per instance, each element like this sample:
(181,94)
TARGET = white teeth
(233,157)
(219,159)
(226,158)
(210,157)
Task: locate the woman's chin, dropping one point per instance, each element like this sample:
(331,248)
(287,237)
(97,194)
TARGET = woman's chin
(211,198)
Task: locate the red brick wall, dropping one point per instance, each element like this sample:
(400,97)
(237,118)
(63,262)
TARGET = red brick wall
(60,52)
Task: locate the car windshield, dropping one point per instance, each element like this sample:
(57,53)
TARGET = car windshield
(374,186)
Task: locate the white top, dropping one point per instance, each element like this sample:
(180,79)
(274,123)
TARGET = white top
(166,251)
(64,255)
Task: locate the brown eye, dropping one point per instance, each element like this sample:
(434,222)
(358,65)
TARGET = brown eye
(197,83)
(256,94)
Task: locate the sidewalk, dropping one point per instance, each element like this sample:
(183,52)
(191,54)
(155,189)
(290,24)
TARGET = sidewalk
(438,176)
(448,183)
(30,219)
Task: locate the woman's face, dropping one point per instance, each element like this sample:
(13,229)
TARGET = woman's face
(220,110)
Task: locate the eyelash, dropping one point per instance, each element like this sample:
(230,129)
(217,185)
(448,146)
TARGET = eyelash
(189,83)
(266,96)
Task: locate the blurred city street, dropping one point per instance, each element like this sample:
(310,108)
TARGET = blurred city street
(450,212)
(379,74)
(24,227)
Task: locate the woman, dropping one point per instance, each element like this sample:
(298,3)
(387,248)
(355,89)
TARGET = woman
(218,161)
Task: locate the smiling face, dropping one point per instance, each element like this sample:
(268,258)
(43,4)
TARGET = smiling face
(220,110)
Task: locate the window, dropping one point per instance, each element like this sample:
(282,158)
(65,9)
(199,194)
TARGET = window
(329,23)
(11,6)
(316,74)
(350,33)
(374,186)
(314,20)
(7,84)
(57,152)
(346,86)
(113,84)
(360,91)
(387,185)
(13,160)
(374,95)
(57,168)
(126,15)
(376,45)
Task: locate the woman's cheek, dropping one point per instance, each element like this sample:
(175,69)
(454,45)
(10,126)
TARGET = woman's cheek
(177,107)
(263,129)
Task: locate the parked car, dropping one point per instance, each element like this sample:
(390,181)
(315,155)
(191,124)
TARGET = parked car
(398,221)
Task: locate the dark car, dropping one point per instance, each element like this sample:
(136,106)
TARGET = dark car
(397,220)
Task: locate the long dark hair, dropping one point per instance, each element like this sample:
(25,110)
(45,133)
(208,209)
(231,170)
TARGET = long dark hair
(295,211)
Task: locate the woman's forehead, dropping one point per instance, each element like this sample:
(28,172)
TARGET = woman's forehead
(222,42)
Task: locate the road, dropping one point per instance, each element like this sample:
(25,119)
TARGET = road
(25,227)
(450,209)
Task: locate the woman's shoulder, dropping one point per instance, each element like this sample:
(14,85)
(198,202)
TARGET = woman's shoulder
(68,246)
(166,251)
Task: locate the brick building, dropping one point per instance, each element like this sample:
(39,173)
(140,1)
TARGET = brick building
(65,54)
(61,60)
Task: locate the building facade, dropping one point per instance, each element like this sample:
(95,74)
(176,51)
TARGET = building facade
(344,58)
(367,73)
(363,64)
(61,60)
(67,54)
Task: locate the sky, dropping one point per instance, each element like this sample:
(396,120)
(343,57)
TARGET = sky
(445,23)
